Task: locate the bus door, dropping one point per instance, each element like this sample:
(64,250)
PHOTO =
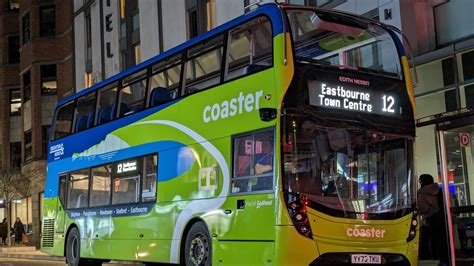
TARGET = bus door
(61,204)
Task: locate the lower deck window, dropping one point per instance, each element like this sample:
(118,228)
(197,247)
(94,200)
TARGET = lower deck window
(78,189)
(124,182)
(253,162)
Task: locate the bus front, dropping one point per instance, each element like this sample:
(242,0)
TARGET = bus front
(347,134)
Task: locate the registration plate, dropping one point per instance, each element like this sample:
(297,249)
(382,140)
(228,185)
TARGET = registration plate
(366,259)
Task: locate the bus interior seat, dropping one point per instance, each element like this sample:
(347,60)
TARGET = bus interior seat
(90,120)
(137,108)
(254,68)
(159,95)
(104,115)
(123,110)
(81,123)
(80,199)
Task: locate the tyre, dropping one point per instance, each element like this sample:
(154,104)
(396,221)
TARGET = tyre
(73,249)
(198,246)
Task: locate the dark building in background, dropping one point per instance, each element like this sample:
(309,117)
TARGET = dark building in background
(35,71)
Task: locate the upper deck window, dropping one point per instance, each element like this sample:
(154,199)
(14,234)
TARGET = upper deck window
(164,83)
(343,41)
(250,48)
(64,117)
(132,94)
(84,112)
(107,104)
(204,65)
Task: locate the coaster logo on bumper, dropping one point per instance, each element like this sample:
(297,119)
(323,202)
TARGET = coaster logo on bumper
(365,232)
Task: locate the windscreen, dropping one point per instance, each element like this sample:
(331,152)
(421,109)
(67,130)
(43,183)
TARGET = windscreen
(343,41)
(347,170)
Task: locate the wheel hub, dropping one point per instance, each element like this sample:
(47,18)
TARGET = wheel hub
(198,250)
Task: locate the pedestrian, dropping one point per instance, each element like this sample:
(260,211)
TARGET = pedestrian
(431,207)
(4,231)
(18,230)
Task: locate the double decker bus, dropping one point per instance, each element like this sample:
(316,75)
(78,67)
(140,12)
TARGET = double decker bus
(283,137)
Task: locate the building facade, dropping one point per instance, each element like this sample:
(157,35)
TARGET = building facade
(129,32)
(38,72)
(444,58)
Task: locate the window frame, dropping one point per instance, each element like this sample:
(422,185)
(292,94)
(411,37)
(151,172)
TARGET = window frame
(253,133)
(43,31)
(11,102)
(13,56)
(25,29)
(28,146)
(44,79)
(26,87)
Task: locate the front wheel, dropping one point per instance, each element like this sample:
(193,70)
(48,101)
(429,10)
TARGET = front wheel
(73,248)
(198,246)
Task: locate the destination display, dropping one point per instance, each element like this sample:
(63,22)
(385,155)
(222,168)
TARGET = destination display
(351,94)
(126,168)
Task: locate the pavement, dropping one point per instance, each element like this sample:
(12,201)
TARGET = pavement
(26,252)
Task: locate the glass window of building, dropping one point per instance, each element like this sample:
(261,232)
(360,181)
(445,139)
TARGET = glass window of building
(45,136)
(88,33)
(468,65)
(26,86)
(129,33)
(14,4)
(15,102)
(28,148)
(200,15)
(47,21)
(13,49)
(25,22)
(15,154)
(48,80)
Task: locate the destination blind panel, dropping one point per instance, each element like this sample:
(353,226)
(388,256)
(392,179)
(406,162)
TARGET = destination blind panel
(354,95)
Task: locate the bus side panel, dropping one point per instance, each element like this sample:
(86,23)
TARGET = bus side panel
(292,248)
(246,253)
(52,240)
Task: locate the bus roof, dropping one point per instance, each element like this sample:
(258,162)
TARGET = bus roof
(270,9)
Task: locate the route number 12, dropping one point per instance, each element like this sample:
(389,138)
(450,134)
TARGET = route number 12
(388,102)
